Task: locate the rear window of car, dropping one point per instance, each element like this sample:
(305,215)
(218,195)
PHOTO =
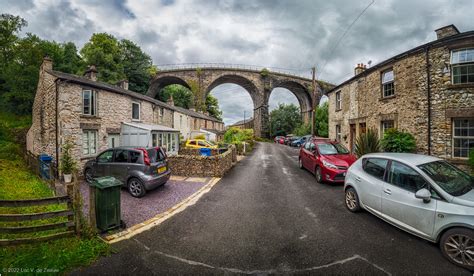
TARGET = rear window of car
(375,167)
(134,156)
(156,155)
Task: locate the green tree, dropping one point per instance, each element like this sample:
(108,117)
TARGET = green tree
(303,129)
(137,66)
(284,119)
(10,26)
(182,96)
(69,61)
(212,106)
(321,120)
(103,50)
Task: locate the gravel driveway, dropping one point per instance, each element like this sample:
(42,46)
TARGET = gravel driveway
(137,210)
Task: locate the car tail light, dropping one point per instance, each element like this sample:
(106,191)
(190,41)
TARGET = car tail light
(146,158)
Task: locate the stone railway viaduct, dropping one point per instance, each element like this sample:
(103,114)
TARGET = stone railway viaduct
(258,83)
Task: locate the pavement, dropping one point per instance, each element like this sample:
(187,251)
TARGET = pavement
(137,210)
(266,216)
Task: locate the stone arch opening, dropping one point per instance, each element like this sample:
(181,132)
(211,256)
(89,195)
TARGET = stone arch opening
(159,83)
(301,93)
(243,82)
(235,103)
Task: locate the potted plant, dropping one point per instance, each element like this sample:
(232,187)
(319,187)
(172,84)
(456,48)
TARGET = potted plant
(68,164)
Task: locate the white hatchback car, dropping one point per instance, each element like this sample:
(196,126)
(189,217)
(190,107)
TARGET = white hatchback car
(423,195)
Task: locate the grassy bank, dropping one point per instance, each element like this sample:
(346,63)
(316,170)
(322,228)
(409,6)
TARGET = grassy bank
(18,182)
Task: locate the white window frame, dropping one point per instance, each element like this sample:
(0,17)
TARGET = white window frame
(456,62)
(390,81)
(383,129)
(338,100)
(139,111)
(89,142)
(92,102)
(460,137)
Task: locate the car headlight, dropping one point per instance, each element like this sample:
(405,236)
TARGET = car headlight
(329,165)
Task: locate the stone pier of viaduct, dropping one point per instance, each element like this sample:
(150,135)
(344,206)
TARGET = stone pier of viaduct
(258,83)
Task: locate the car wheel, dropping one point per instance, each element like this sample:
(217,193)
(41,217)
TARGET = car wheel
(318,174)
(88,175)
(300,163)
(352,200)
(457,245)
(136,187)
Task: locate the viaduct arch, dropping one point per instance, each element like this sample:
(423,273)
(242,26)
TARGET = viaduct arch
(258,83)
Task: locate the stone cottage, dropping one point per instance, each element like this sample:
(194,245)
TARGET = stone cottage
(427,91)
(90,114)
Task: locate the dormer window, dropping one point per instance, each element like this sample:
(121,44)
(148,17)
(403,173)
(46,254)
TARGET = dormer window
(388,87)
(462,65)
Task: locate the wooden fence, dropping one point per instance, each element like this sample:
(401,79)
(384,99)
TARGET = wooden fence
(67,228)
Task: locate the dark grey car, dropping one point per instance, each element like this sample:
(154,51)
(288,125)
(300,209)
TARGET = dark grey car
(139,169)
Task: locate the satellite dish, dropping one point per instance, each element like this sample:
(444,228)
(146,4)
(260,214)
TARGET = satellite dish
(369,62)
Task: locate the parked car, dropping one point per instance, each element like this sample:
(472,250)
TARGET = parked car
(287,139)
(199,144)
(327,160)
(139,169)
(423,195)
(291,139)
(277,139)
(300,141)
(281,140)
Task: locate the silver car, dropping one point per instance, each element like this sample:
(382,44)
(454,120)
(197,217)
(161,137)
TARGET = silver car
(423,195)
(139,169)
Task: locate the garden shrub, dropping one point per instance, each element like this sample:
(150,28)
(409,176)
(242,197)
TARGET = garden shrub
(367,143)
(471,160)
(398,141)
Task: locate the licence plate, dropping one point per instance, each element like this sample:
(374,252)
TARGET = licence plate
(161,170)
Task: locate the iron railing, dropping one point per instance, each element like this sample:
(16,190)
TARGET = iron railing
(284,71)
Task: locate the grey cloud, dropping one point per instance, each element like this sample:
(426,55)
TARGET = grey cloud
(273,33)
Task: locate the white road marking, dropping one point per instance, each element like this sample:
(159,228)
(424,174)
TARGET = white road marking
(266,271)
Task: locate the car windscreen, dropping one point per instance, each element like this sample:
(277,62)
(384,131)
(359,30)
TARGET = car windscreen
(156,155)
(331,149)
(451,179)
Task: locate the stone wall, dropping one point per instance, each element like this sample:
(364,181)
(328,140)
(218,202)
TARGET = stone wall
(362,100)
(202,166)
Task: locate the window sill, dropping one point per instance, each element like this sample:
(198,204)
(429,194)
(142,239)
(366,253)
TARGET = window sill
(338,109)
(89,117)
(460,86)
(458,160)
(87,158)
(387,98)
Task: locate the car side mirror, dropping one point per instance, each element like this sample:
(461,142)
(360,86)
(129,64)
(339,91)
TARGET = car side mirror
(423,194)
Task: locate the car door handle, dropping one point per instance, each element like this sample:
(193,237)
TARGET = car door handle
(358,179)
(387,191)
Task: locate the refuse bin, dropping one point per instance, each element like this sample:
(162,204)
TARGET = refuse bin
(44,165)
(205,151)
(107,202)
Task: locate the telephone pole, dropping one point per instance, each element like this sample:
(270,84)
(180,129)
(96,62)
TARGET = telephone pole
(314,97)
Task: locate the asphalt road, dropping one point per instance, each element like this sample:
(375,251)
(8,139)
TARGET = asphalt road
(267,216)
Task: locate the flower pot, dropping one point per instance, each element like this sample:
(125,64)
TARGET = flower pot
(67,178)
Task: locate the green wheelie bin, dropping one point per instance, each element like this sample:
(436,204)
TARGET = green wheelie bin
(107,202)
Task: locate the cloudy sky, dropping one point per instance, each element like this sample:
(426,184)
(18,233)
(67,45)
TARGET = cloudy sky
(292,34)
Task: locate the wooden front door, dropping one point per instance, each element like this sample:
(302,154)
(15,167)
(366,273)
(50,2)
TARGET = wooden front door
(352,137)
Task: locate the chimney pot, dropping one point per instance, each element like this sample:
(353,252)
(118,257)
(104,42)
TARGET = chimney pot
(123,84)
(359,69)
(91,73)
(170,101)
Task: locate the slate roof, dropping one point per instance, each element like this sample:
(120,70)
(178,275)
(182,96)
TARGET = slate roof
(242,122)
(112,88)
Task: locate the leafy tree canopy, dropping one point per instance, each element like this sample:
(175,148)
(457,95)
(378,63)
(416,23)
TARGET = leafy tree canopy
(212,106)
(322,120)
(284,119)
(182,96)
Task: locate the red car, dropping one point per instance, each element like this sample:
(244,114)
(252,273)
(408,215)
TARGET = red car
(327,160)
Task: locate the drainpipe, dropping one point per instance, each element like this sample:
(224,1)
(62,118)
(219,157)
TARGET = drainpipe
(428,87)
(57,81)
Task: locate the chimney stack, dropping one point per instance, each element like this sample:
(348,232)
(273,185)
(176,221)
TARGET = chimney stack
(91,73)
(359,68)
(47,63)
(170,101)
(123,84)
(446,31)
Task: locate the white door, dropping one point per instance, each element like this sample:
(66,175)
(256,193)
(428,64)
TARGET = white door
(113,140)
(400,205)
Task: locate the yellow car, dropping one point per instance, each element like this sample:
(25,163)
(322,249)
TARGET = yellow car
(198,144)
